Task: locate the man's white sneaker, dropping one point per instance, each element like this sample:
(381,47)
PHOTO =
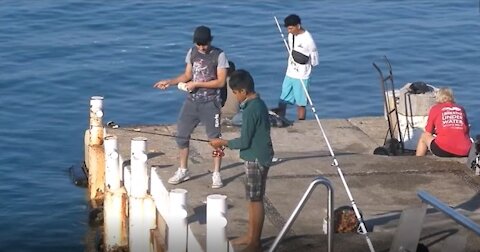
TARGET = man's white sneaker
(216,180)
(180,176)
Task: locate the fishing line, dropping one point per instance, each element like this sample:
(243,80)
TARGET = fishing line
(335,162)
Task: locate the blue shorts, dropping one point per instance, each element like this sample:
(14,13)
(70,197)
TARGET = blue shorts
(292,91)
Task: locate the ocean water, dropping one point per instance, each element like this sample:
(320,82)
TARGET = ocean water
(55,55)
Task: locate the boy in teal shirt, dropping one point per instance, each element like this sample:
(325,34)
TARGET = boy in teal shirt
(256,150)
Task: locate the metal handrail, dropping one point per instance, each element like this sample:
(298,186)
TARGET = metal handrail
(306,196)
(439,205)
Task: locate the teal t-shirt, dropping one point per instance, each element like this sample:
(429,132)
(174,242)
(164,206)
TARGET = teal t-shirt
(254,142)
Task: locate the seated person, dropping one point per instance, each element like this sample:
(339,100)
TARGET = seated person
(447,130)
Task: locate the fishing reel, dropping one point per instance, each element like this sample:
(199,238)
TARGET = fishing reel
(218,152)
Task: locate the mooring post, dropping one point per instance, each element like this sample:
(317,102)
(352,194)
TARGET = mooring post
(142,210)
(177,221)
(216,223)
(115,204)
(138,162)
(112,169)
(96,152)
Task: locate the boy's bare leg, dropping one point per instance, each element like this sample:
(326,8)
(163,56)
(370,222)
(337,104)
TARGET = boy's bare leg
(301,112)
(183,153)
(217,162)
(256,215)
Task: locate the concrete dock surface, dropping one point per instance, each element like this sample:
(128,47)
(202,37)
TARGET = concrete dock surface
(382,186)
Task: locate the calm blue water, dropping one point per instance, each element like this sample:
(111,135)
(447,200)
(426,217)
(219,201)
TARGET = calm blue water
(55,55)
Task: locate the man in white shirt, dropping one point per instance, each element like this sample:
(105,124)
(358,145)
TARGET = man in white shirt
(302,57)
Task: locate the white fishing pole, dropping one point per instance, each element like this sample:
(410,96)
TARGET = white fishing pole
(335,162)
(281,33)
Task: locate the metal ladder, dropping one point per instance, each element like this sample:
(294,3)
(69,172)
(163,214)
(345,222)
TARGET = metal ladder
(301,204)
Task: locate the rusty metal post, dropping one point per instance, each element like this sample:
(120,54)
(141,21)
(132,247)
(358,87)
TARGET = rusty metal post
(115,203)
(96,152)
(142,211)
(115,208)
(141,220)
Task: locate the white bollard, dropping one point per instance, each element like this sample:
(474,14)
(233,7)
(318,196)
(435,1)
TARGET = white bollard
(139,175)
(96,108)
(141,219)
(216,223)
(177,221)
(112,170)
(96,116)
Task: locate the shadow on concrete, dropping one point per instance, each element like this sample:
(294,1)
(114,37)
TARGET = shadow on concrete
(201,214)
(226,181)
(150,155)
(155,154)
(283,159)
(444,234)
(470,205)
(230,166)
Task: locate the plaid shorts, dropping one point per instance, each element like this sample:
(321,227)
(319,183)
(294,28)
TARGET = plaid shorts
(255,180)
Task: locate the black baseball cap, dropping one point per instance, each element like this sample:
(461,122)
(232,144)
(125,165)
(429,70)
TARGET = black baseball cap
(292,20)
(202,35)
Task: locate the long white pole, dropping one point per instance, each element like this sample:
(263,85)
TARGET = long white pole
(335,162)
(281,33)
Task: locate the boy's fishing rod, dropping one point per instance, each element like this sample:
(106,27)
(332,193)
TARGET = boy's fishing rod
(114,126)
(335,162)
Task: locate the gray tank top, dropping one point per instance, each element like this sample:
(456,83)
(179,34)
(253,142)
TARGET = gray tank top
(204,68)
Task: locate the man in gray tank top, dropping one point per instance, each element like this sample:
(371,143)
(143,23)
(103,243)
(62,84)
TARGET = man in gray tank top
(205,74)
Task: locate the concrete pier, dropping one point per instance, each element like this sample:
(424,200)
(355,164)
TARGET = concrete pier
(382,186)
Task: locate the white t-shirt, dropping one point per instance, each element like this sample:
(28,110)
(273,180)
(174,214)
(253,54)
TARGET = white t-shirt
(304,44)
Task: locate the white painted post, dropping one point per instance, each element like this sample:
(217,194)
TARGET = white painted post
(115,203)
(142,218)
(177,221)
(216,223)
(112,170)
(142,211)
(139,175)
(96,117)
